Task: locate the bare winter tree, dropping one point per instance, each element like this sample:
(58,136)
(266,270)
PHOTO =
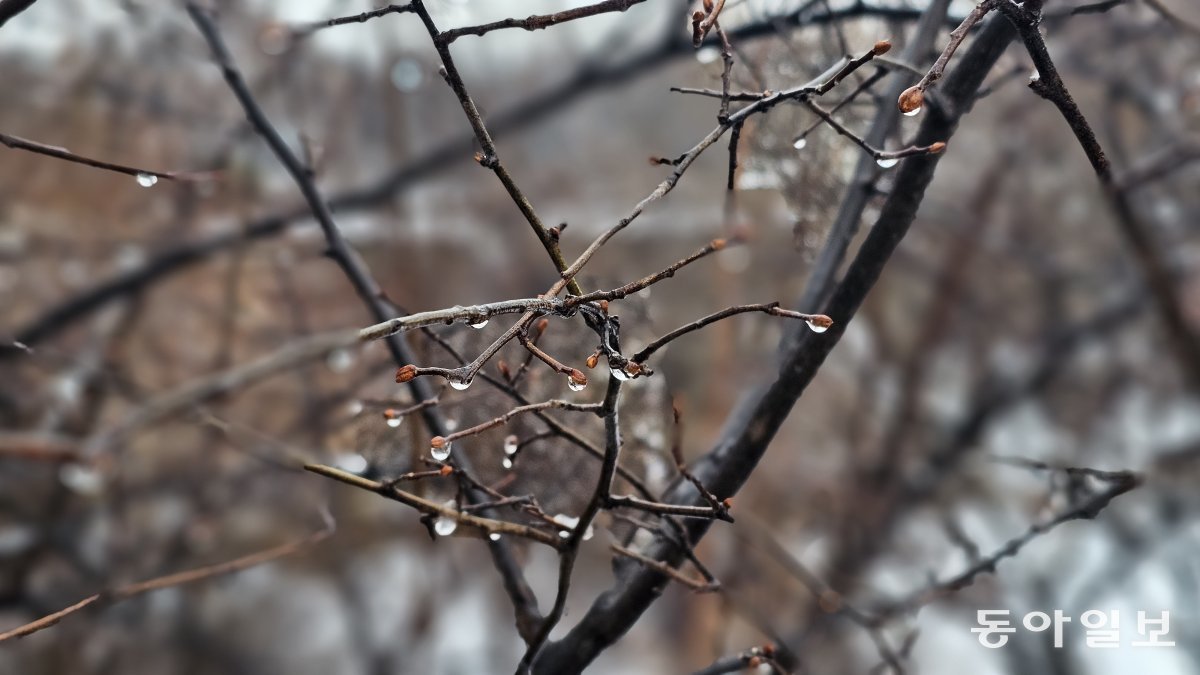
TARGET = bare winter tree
(535,345)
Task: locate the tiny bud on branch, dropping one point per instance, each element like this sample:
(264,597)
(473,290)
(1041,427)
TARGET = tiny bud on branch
(911,99)
(405,373)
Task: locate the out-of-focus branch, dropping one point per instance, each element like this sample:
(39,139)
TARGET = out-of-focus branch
(11,8)
(1164,293)
(127,591)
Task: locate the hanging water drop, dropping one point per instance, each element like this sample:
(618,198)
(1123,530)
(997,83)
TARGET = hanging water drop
(351,462)
(480,324)
(913,113)
(439,448)
(571,522)
(340,360)
(394,422)
(444,527)
(575,385)
(707,55)
(887,163)
(510,445)
(619,374)
(817,327)
(82,479)
(146,179)
(460,384)
(495,536)
(507,463)
(799,143)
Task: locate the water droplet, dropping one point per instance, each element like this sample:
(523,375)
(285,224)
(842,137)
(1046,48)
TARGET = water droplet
(407,75)
(351,462)
(479,325)
(571,522)
(510,445)
(451,424)
(354,408)
(912,113)
(619,374)
(507,463)
(339,361)
(460,384)
(887,163)
(444,527)
(574,385)
(395,422)
(799,143)
(81,478)
(495,536)
(817,327)
(146,179)
(707,55)
(441,454)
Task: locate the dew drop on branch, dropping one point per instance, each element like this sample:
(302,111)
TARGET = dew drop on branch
(495,536)
(460,384)
(510,445)
(575,385)
(912,113)
(816,327)
(707,55)
(394,422)
(507,464)
(146,179)
(340,360)
(799,143)
(441,451)
(887,163)
(444,527)
(479,325)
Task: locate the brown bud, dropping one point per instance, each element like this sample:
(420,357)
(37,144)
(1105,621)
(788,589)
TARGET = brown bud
(577,376)
(479,157)
(542,325)
(633,369)
(502,366)
(438,442)
(593,360)
(717,244)
(390,414)
(405,373)
(882,47)
(769,649)
(603,306)
(754,661)
(446,470)
(727,502)
(937,148)
(911,99)
(697,16)
(820,321)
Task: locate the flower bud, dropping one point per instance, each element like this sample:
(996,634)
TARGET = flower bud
(405,373)
(911,99)
(882,47)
